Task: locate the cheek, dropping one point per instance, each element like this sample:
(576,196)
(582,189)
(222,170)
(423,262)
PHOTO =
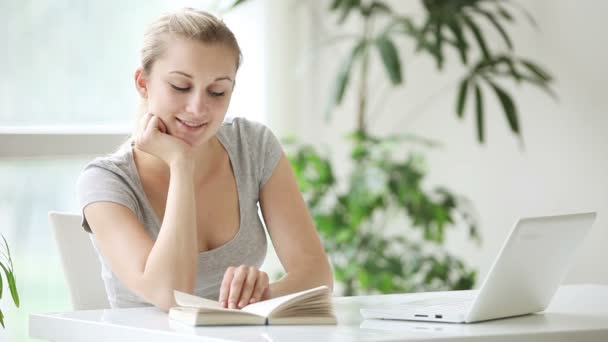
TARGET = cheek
(221,105)
(164,101)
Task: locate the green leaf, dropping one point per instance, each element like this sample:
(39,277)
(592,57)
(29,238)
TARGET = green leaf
(347,6)
(498,27)
(11,284)
(524,11)
(8,251)
(537,70)
(438,45)
(375,7)
(461,43)
(462,97)
(479,110)
(344,75)
(421,35)
(505,14)
(542,85)
(1,285)
(478,36)
(508,105)
(513,70)
(363,278)
(237,3)
(2,319)
(390,58)
(335,4)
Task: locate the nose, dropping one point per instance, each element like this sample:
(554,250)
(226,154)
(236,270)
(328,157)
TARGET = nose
(197,104)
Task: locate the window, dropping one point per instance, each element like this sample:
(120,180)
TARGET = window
(72,63)
(67,95)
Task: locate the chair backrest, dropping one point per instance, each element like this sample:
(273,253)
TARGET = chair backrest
(80,262)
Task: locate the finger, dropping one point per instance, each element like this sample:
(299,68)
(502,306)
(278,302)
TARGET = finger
(236,286)
(144,120)
(248,286)
(150,126)
(142,132)
(260,287)
(225,287)
(161,126)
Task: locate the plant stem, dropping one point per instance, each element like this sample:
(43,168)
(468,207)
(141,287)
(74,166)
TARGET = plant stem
(349,289)
(367,31)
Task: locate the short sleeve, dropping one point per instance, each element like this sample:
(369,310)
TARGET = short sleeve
(97,184)
(270,153)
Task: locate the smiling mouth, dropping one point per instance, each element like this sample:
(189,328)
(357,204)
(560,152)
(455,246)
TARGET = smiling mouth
(192,124)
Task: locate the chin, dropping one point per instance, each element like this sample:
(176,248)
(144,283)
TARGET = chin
(195,141)
(192,137)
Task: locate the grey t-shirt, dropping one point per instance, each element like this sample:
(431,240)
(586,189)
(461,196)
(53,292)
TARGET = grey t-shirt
(254,152)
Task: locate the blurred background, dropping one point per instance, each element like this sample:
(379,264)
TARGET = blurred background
(67,95)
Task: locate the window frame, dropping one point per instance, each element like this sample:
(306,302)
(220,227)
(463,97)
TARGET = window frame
(57,141)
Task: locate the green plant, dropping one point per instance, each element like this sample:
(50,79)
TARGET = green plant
(386,187)
(6,263)
(382,190)
(447,24)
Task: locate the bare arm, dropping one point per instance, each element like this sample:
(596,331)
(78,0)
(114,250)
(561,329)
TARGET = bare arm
(293,234)
(153,269)
(296,241)
(172,262)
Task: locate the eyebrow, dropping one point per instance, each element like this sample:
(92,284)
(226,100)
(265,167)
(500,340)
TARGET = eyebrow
(224,78)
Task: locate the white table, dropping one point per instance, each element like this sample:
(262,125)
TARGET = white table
(577,313)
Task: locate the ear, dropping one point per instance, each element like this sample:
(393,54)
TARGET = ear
(141,82)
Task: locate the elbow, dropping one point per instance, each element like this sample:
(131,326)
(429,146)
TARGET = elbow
(161,297)
(160,292)
(165,306)
(164,300)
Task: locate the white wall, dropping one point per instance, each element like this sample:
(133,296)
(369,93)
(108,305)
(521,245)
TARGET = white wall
(563,164)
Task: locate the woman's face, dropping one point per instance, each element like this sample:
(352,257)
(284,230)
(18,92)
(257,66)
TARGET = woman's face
(190,87)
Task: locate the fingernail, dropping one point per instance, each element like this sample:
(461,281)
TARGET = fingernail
(231,305)
(223,303)
(252,300)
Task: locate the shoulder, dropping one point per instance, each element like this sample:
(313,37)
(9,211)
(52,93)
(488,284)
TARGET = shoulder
(118,162)
(254,142)
(115,169)
(110,178)
(243,128)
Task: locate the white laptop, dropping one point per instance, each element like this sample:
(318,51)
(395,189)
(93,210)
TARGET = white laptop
(522,280)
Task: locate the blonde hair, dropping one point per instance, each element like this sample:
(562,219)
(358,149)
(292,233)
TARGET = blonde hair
(186,23)
(190,24)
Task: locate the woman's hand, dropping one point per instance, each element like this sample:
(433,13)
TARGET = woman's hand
(243,285)
(154,139)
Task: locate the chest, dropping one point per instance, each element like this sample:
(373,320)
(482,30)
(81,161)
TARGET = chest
(217,207)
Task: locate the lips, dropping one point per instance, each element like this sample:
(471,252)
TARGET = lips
(193,125)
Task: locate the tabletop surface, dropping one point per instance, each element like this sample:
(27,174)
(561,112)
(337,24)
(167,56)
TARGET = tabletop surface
(576,311)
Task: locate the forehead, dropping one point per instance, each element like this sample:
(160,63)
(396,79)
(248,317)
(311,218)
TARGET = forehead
(197,58)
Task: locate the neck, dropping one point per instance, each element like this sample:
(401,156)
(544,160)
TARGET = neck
(206,157)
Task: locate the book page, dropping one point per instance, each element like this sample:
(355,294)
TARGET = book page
(264,308)
(267,307)
(187,300)
(192,301)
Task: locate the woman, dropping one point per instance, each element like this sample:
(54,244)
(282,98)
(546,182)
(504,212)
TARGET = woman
(177,208)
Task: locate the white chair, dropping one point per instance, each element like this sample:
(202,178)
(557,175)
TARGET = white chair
(80,262)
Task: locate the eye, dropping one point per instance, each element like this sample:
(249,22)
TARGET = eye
(216,94)
(179,88)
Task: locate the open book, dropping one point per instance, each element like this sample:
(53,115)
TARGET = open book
(306,307)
